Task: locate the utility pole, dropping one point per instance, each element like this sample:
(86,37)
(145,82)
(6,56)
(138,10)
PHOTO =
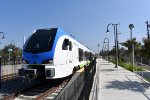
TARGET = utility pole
(147,30)
(148,36)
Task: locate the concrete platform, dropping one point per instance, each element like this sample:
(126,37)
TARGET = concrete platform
(118,84)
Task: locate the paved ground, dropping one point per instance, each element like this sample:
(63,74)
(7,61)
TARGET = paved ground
(118,84)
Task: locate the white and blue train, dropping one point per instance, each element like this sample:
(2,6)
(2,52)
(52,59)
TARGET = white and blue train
(53,53)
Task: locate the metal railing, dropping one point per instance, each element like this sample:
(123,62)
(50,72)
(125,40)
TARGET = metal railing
(80,85)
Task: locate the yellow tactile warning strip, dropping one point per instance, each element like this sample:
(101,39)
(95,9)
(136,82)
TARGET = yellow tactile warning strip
(81,70)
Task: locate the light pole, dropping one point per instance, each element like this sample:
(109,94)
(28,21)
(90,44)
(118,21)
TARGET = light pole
(107,48)
(130,27)
(103,51)
(98,49)
(116,40)
(12,41)
(3,37)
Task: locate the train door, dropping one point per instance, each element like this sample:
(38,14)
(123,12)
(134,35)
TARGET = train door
(65,48)
(70,55)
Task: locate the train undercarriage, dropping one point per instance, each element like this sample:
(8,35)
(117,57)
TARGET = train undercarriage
(33,71)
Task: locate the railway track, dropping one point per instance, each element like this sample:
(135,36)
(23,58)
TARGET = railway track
(48,89)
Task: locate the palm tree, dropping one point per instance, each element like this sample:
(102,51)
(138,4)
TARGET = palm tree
(128,45)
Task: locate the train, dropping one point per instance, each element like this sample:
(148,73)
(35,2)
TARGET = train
(52,53)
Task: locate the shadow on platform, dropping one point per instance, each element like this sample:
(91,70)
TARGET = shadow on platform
(107,70)
(106,64)
(126,85)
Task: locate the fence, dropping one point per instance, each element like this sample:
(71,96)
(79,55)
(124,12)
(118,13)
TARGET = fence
(143,60)
(9,68)
(79,87)
(141,68)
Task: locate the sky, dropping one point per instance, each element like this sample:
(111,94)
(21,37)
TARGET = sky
(86,20)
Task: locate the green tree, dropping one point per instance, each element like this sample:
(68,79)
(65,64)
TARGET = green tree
(128,45)
(146,48)
(15,53)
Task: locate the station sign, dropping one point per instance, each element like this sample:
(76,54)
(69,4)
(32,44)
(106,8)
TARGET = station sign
(10,50)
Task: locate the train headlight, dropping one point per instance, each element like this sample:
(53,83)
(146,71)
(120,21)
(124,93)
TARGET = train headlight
(25,61)
(48,62)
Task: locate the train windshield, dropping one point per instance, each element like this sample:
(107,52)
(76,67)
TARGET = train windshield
(41,41)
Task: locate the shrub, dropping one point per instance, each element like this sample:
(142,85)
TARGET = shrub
(129,67)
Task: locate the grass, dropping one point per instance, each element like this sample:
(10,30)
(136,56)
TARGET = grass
(148,79)
(128,66)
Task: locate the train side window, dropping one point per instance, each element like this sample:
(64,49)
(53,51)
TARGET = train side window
(86,55)
(90,58)
(80,55)
(65,44)
(70,46)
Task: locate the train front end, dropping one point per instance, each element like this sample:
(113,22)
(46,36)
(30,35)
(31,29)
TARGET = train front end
(38,52)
